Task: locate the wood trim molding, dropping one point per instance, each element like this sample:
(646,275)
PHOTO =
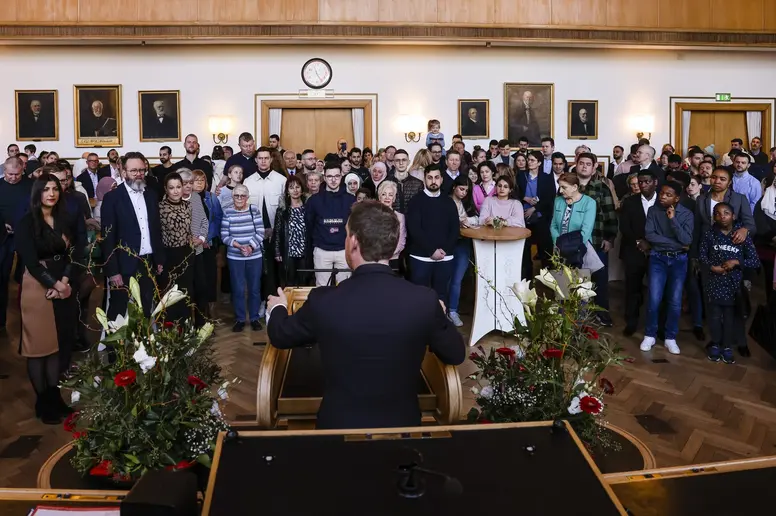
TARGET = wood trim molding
(680,106)
(377,32)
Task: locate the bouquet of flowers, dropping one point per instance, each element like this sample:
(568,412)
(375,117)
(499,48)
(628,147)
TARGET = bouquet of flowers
(157,406)
(499,222)
(554,370)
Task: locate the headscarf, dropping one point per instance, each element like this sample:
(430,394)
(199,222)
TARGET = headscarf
(352,177)
(104,186)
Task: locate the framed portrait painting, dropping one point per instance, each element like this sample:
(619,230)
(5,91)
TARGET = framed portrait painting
(474,118)
(583,120)
(159,116)
(98,116)
(37,115)
(528,111)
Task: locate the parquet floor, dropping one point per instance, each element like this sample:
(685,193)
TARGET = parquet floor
(703,411)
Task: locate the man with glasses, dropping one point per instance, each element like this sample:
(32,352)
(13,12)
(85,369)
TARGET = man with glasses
(130,220)
(92,175)
(326,216)
(309,161)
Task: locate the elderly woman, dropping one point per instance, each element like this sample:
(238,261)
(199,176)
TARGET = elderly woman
(242,232)
(377,174)
(352,183)
(386,194)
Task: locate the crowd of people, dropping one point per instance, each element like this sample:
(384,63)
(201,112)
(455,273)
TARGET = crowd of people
(695,227)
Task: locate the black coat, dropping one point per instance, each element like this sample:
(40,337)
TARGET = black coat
(373,330)
(86,181)
(621,181)
(545,191)
(633,224)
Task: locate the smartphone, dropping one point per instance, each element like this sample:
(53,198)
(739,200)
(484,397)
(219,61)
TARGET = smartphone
(343,146)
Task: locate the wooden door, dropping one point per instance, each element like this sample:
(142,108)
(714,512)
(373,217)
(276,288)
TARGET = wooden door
(717,127)
(317,129)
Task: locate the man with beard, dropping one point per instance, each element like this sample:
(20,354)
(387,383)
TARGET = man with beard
(113,168)
(359,377)
(98,124)
(130,220)
(160,125)
(192,161)
(166,166)
(356,165)
(309,161)
(407,186)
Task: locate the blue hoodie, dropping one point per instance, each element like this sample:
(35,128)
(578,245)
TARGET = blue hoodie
(326,215)
(716,249)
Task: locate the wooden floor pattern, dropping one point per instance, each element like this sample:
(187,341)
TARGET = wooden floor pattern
(707,411)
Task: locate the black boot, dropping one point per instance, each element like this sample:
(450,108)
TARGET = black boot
(39,400)
(56,400)
(49,410)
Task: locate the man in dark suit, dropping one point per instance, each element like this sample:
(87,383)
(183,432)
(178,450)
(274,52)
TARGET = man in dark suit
(92,175)
(370,360)
(36,123)
(634,246)
(645,156)
(161,126)
(581,125)
(472,125)
(130,219)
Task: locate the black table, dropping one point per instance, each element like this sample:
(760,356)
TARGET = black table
(19,502)
(506,468)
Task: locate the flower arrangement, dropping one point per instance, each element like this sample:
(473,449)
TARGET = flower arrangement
(157,406)
(554,371)
(499,222)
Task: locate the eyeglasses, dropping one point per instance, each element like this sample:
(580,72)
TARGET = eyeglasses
(92,161)
(239,196)
(136,171)
(333,177)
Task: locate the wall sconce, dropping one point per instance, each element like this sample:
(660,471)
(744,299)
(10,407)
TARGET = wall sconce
(411,126)
(643,125)
(220,126)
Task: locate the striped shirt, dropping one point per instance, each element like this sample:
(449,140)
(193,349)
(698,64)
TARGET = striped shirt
(199,222)
(244,227)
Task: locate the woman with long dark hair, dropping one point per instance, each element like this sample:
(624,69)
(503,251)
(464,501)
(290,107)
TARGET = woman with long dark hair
(175,218)
(50,242)
(291,245)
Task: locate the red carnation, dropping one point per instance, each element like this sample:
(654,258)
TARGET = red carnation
(474,356)
(591,405)
(125,378)
(184,464)
(197,383)
(78,435)
(101,470)
(169,324)
(552,353)
(69,424)
(606,386)
(590,332)
(506,352)
(484,421)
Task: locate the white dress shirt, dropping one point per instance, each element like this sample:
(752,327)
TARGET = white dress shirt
(141,212)
(647,204)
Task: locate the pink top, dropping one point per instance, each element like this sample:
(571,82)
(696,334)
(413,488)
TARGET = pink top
(510,210)
(402,235)
(479,194)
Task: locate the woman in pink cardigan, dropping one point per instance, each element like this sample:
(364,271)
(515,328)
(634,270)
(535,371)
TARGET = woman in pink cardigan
(501,206)
(386,194)
(486,186)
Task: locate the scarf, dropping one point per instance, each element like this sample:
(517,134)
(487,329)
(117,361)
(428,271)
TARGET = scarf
(768,204)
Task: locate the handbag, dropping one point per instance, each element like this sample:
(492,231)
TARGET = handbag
(571,248)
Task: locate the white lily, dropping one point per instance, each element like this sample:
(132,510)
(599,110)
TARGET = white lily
(475,390)
(143,359)
(487,392)
(546,277)
(102,318)
(525,293)
(171,297)
(75,397)
(215,409)
(205,332)
(585,293)
(134,289)
(574,407)
(119,323)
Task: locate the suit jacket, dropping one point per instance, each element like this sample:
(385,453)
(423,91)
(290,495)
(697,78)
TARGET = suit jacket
(472,128)
(545,191)
(704,216)
(520,125)
(106,171)
(621,181)
(43,127)
(373,330)
(96,127)
(633,223)
(120,227)
(153,129)
(86,181)
(578,128)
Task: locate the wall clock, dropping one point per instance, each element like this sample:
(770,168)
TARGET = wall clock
(316,73)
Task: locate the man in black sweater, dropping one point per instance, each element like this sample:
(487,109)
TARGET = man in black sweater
(14,191)
(433,230)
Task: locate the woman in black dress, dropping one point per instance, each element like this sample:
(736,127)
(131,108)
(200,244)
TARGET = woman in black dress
(50,243)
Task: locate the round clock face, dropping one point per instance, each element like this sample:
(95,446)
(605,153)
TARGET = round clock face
(316,73)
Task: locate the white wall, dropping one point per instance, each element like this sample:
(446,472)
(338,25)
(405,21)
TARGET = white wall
(420,80)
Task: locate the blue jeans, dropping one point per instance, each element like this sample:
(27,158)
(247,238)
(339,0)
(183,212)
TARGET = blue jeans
(666,274)
(246,274)
(460,264)
(433,274)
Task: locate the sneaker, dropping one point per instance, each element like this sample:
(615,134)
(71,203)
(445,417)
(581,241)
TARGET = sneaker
(713,352)
(671,346)
(262,309)
(256,325)
(238,327)
(647,343)
(727,356)
(699,333)
(455,319)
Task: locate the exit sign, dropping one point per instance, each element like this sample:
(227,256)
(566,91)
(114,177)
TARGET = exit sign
(723,97)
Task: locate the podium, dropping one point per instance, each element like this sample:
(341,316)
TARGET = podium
(498,255)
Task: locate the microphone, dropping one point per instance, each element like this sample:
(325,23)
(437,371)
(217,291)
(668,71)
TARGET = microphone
(412,482)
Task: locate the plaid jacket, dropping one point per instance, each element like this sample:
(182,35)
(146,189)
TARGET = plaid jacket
(606,218)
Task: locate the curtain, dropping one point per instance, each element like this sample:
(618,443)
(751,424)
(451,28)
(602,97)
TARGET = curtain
(686,117)
(275,120)
(754,124)
(358,127)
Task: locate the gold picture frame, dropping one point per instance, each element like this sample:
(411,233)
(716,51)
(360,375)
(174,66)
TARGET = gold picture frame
(579,129)
(40,122)
(535,123)
(477,128)
(98,121)
(160,115)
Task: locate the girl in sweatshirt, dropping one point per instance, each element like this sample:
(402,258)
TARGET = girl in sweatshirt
(726,261)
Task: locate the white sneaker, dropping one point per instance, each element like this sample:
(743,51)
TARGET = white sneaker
(647,343)
(455,319)
(262,309)
(672,347)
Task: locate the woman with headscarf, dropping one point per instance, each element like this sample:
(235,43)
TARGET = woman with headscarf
(377,174)
(352,183)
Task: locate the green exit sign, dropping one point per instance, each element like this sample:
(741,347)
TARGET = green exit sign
(724,97)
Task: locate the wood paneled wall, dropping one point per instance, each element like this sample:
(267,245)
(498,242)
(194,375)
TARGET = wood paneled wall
(671,15)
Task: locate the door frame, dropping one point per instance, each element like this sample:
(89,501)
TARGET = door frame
(363,101)
(764,105)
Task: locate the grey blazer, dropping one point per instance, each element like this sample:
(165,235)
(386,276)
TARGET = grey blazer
(704,217)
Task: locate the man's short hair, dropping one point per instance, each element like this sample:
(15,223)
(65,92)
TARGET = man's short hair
(133,155)
(30,148)
(165,148)
(549,139)
(675,186)
(274,137)
(493,142)
(589,155)
(559,155)
(308,151)
(245,137)
(401,151)
(619,147)
(503,143)
(737,140)
(648,173)
(523,139)
(92,154)
(12,145)
(14,161)
(674,158)
(354,150)
(376,229)
(263,148)
(453,152)
(431,168)
(435,144)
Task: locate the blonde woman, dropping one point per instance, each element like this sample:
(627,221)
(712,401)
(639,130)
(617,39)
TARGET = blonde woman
(419,164)
(386,194)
